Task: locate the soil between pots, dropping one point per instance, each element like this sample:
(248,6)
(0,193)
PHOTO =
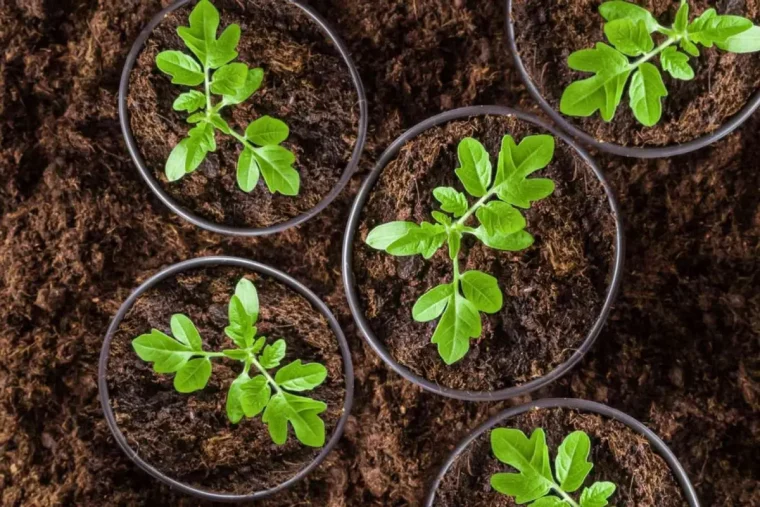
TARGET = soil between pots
(553,291)
(306,84)
(619,455)
(547,31)
(188,436)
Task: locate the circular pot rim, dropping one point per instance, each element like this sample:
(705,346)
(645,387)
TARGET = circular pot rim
(573,404)
(616,149)
(319,305)
(349,281)
(191,217)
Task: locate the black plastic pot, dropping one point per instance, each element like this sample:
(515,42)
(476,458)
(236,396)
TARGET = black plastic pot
(348,263)
(147,175)
(616,149)
(258,268)
(584,406)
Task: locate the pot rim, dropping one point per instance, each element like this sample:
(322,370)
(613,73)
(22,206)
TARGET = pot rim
(318,304)
(353,222)
(203,223)
(574,404)
(616,149)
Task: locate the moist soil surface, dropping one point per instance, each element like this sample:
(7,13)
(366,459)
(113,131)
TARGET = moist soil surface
(306,84)
(553,291)
(79,230)
(619,454)
(188,436)
(548,31)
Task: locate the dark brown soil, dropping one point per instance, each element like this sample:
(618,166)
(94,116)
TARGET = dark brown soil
(79,230)
(307,85)
(553,291)
(723,84)
(188,436)
(619,454)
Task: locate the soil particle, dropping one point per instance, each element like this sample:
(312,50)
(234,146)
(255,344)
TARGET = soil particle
(553,291)
(307,85)
(188,437)
(619,454)
(724,82)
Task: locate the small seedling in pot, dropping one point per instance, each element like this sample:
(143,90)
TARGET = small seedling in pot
(629,29)
(535,483)
(502,227)
(234,83)
(247,396)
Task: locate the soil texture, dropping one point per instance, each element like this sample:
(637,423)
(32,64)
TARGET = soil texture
(619,454)
(553,291)
(548,31)
(306,84)
(188,436)
(79,230)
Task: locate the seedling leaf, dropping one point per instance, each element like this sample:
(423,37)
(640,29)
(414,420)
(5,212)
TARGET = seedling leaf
(267,131)
(459,323)
(301,413)
(451,200)
(193,376)
(276,164)
(530,457)
(646,92)
(247,170)
(482,290)
(301,377)
(189,101)
(572,463)
(431,305)
(184,331)
(182,68)
(273,354)
(167,354)
(475,167)
(598,494)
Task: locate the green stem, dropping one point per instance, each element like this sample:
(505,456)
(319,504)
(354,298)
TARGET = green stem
(263,371)
(567,498)
(207,84)
(455,278)
(242,140)
(209,354)
(656,51)
(477,205)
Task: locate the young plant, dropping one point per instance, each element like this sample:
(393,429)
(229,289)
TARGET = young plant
(535,482)
(234,83)
(629,29)
(247,396)
(502,227)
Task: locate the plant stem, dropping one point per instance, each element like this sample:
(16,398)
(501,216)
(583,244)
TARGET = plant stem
(252,358)
(207,84)
(208,354)
(567,498)
(477,205)
(242,140)
(656,51)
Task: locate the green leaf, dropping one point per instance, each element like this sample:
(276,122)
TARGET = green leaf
(249,298)
(260,342)
(276,164)
(689,47)
(499,218)
(424,239)
(167,354)
(200,37)
(203,134)
(233,406)
(455,243)
(550,501)
(451,201)
(676,63)
(710,28)
(228,79)
(253,82)
(629,37)
(273,354)
(431,305)
(460,322)
(240,330)
(237,354)
(602,92)
(441,218)
(181,67)
(190,101)
(301,413)
(196,118)
(482,290)
(682,18)
(223,51)
(185,158)
(572,465)
(219,122)
(475,167)
(184,331)
(247,170)
(193,376)
(301,377)
(254,395)
(533,153)
(612,11)
(383,236)
(598,494)
(510,243)
(530,457)
(646,92)
(746,42)
(267,131)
